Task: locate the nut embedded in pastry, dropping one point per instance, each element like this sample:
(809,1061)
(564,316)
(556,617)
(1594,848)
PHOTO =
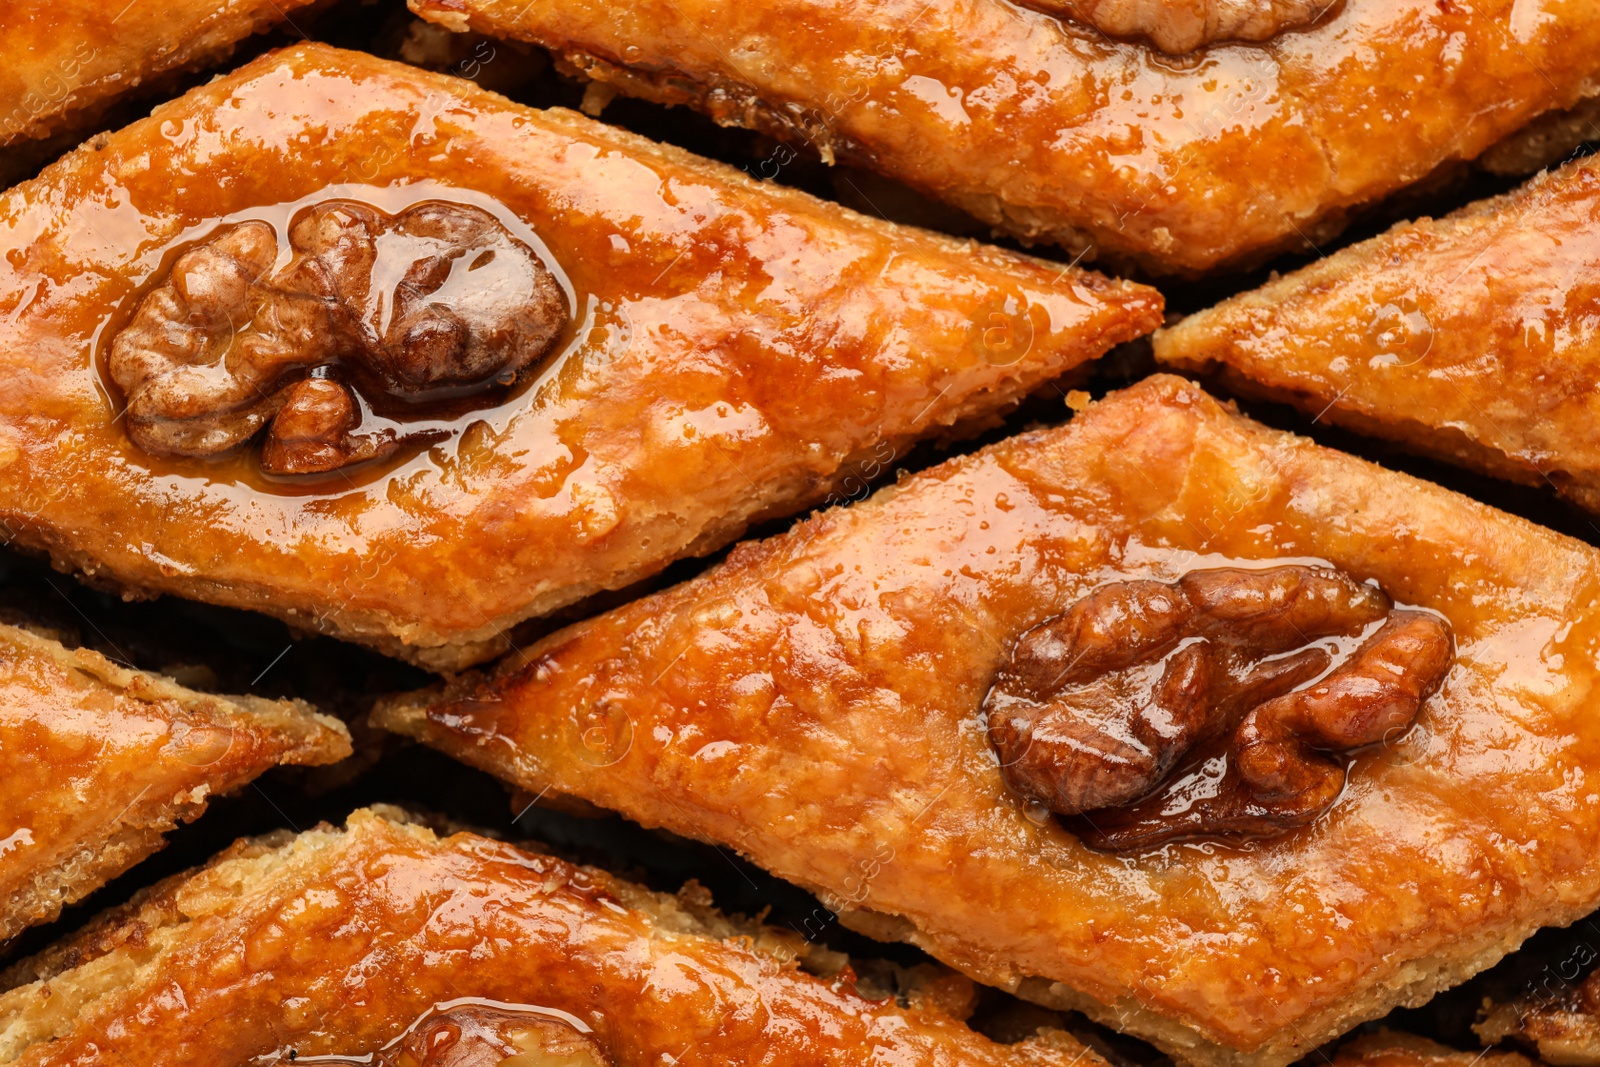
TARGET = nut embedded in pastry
(1096,707)
(1054,132)
(314,431)
(439,297)
(738,351)
(816,702)
(1098,704)
(1178,26)
(333,942)
(1284,765)
(1469,338)
(98,762)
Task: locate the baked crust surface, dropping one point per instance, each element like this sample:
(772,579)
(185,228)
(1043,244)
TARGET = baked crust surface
(1558,1016)
(1470,337)
(336,940)
(737,347)
(63,61)
(1056,133)
(97,762)
(814,702)
(1388,1049)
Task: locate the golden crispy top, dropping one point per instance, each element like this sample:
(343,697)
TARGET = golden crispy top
(815,702)
(92,754)
(734,344)
(1470,335)
(1052,129)
(336,941)
(61,61)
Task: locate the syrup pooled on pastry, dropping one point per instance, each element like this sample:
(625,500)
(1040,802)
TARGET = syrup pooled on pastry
(1099,705)
(1179,26)
(476,1033)
(436,302)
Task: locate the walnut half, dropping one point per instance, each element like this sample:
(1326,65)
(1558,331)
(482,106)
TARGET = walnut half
(433,302)
(481,1034)
(1100,705)
(1179,26)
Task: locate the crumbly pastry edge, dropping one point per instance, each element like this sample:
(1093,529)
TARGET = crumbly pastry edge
(1411,985)
(139,831)
(95,964)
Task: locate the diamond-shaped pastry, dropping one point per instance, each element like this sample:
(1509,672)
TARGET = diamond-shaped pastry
(1389,785)
(97,762)
(1469,337)
(501,358)
(347,942)
(1037,122)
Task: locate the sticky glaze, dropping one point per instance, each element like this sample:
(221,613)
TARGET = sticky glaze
(62,62)
(813,702)
(474,1032)
(1055,132)
(333,942)
(1470,337)
(736,347)
(97,762)
(444,419)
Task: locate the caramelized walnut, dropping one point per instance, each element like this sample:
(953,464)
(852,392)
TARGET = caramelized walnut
(1099,705)
(438,299)
(475,1035)
(1279,747)
(1179,26)
(314,431)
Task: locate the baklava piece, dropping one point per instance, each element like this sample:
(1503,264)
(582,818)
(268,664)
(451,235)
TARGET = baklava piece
(97,762)
(1558,1017)
(365,940)
(1229,740)
(1469,338)
(62,62)
(394,359)
(1037,123)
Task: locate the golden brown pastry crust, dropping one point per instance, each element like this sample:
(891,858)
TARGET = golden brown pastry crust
(98,762)
(1053,132)
(63,61)
(815,703)
(333,941)
(1548,141)
(1388,1049)
(1558,1016)
(1469,337)
(737,347)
